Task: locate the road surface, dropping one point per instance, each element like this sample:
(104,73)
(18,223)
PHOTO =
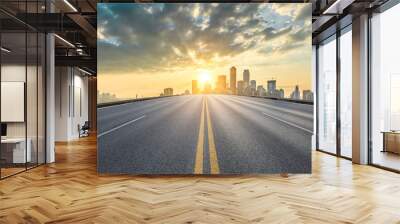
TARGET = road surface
(205,134)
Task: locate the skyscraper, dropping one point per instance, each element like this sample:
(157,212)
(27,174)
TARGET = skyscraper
(168,92)
(221,84)
(260,91)
(281,93)
(271,87)
(252,88)
(308,95)
(246,77)
(295,94)
(195,88)
(253,84)
(240,87)
(232,80)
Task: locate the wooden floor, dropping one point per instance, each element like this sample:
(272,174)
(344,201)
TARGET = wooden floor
(70,191)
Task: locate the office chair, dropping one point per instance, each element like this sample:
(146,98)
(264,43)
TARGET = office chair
(84,130)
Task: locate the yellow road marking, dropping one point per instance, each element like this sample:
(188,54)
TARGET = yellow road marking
(211,145)
(198,167)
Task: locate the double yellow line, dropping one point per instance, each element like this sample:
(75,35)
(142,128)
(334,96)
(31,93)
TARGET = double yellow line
(199,162)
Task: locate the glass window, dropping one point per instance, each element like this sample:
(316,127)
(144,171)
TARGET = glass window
(346,92)
(385,87)
(22,93)
(327,95)
(14,153)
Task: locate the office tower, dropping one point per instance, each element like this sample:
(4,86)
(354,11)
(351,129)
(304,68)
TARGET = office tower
(195,88)
(240,87)
(271,87)
(295,94)
(253,88)
(221,84)
(168,92)
(308,95)
(232,80)
(246,77)
(281,93)
(253,84)
(261,91)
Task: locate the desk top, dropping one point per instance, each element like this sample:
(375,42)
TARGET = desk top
(13,140)
(390,132)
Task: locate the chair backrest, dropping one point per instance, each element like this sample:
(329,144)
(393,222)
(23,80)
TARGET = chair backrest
(86,124)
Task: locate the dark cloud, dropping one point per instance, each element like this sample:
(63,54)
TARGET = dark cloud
(156,37)
(301,34)
(271,33)
(304,14)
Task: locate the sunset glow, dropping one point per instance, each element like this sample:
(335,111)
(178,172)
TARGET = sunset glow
(204,77)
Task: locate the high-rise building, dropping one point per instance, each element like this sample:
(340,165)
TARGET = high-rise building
(246,77)
(168,92)
(253,88)
(295,94)
(221,84)
(308,95)
(195,88)
(232,80)
(253,84)
(281,93)
(261,91)
(271,87)
(240,87)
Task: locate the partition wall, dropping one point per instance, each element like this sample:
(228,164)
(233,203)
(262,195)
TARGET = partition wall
(22,76)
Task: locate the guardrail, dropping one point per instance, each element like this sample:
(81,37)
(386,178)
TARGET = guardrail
(158,97)
(286,99)
(130,101)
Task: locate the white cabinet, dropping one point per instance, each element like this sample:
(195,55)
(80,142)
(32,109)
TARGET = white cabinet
(19,154)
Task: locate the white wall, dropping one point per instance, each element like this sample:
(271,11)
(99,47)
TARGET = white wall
(14,73)
(33,126)
(71,87)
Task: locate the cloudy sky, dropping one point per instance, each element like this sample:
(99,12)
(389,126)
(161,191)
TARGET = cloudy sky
(144,48)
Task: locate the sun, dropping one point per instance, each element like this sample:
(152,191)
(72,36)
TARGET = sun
(204,77)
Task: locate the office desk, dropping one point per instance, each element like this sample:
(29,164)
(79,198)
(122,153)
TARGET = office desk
(391,141)
(16,147)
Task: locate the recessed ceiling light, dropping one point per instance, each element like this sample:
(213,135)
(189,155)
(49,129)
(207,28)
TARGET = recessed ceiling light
(84,71)
(5,50)
(337,7)
(64,40)
(70,5)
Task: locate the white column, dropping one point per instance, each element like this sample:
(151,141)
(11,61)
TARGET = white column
(360,89)
(50,99)
(314,89)
(50,92)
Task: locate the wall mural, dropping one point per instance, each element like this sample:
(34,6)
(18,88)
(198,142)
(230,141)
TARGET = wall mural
(204,88)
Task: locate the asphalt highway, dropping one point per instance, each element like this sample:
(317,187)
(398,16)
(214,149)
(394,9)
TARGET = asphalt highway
(205,134)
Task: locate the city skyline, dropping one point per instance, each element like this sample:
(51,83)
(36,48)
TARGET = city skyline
(135,62)
(224,86)
(249,87)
